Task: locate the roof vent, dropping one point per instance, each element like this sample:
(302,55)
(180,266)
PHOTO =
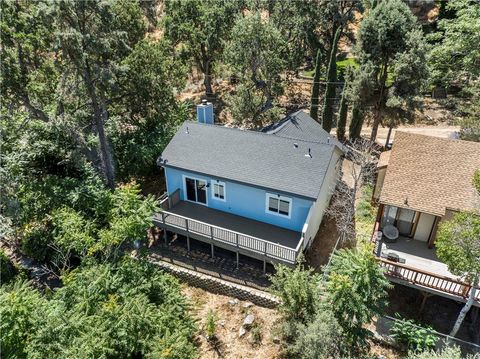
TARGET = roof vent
(328,140)
(186,131)
(309,154)
(295,145)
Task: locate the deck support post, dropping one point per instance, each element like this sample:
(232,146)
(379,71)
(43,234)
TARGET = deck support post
(211,243)
(188,235)
(164,229)
(424,299)
(264,257)
(238,254)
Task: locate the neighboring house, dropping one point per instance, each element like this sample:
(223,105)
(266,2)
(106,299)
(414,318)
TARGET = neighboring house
(259,194)
(421,182)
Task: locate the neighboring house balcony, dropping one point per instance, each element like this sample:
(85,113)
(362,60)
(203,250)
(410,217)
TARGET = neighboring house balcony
(413,263)
(242,235)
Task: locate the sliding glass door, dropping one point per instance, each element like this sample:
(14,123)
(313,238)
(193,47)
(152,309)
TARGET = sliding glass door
(196,190)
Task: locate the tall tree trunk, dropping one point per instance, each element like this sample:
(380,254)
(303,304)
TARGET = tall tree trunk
(207,80)
(316,87)
(327,114)
(389,134)
(100,115)
(356,122)
(342,115)
(377,116)
(466,307)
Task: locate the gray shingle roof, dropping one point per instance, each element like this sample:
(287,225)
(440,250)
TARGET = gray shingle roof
(300,125)
(250,157)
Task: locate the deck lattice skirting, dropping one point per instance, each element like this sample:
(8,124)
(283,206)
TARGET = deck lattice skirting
(217,285)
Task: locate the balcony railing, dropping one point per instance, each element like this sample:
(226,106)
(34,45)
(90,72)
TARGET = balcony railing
(422,278)
(234,240)
(426,279)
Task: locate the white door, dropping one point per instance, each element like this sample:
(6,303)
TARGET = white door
(424,227)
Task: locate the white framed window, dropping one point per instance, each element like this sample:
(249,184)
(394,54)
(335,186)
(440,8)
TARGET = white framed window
(218,190)
(278,205)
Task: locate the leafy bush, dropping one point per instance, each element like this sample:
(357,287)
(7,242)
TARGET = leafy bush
(298,288)
(39,197)
(365,211)
(129,218)
(7,269)
(112,311)
(445,353)
(211,324)
(71,231)
(356,292)
(321,338)
(36,241)
(412,335)
(18,305)
(256,334)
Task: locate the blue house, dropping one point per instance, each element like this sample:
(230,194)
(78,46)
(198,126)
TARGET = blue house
(259,194)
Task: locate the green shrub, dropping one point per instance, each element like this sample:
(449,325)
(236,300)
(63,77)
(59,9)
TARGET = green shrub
(320,338)
(256,334)
(365,211)
(127,310)
(415,337)
(445,353)
(356,291)
(8,270)
(36,240)
(299,290)
(211,324)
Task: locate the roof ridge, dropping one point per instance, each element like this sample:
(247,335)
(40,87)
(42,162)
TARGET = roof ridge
(269,135)
(282,123)
(446,139)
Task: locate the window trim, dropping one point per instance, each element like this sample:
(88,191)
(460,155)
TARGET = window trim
(221,183)
(279,197)
(184,184)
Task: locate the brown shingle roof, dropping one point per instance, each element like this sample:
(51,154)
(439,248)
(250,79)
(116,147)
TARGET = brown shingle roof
(431,174)
(384,159)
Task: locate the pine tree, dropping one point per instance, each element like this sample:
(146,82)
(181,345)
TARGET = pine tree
(342,115)
(327,115)
(356,122)
(316,87)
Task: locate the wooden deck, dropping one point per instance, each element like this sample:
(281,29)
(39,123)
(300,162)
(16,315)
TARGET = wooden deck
(416,254)
(421,269)
(239,234)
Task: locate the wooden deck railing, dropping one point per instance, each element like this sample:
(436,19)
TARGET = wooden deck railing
(418,276)
(427,279)
(232,238)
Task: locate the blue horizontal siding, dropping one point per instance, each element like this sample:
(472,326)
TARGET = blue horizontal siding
(243,200)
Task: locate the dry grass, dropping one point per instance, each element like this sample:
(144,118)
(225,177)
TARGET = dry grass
(229,320)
